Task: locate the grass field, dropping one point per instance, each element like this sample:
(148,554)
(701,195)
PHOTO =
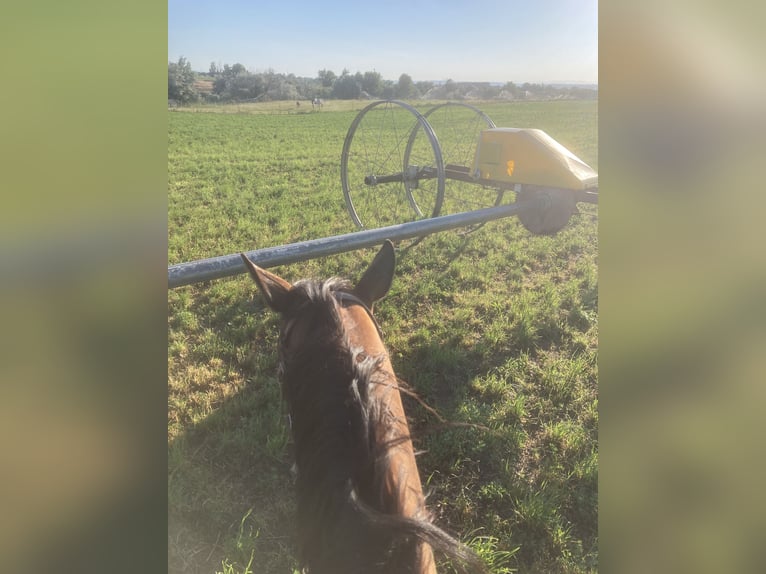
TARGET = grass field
(496,328)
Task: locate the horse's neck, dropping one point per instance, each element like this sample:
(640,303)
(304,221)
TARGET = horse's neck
(401,484)
(395,484)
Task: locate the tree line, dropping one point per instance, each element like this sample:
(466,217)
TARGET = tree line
(236,84)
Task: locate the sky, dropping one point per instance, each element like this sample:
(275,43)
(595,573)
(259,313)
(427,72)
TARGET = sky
(536,41)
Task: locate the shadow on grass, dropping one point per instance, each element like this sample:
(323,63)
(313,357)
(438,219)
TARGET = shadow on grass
(230,488)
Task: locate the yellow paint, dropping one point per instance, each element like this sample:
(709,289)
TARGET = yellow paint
(538,159)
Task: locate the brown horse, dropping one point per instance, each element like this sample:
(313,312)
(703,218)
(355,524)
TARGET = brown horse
(360,503)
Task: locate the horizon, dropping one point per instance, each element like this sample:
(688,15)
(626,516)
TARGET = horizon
(476,41)
(435,82)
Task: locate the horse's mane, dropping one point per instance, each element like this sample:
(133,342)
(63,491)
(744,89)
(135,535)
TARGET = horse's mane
(343,525)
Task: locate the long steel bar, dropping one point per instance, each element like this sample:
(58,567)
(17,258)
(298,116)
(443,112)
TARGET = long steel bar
(228,265)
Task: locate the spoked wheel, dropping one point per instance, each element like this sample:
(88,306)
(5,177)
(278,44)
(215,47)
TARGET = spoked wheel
(457,127)
(384,180)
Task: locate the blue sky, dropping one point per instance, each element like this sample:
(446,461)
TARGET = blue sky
(464,40)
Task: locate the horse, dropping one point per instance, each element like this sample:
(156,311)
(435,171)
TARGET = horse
(360,503)
(316,103)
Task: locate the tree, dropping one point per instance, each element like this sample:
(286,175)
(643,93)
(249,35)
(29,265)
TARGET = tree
(372,83)
(423,87)
(346,88)
(181,82)
(388,91)
(406,87)
(486,91)
(221,86)
(511,89)
(246,87)
(282,90)
(526,87)
(327,77)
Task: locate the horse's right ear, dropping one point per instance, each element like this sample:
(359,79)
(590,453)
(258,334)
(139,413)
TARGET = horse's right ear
(376,281)
(275,290)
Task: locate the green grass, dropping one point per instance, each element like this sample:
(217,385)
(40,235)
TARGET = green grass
(497,329)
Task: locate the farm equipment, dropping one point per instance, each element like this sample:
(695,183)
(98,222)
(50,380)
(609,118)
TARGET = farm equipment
(394,168)
(394,173)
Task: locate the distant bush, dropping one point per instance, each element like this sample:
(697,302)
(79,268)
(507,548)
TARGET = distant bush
(237,84)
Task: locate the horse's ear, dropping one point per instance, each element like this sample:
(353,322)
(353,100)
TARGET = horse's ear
(376,281)
(275,290)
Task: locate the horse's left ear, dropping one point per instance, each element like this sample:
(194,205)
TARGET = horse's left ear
(376,281)
(275,290)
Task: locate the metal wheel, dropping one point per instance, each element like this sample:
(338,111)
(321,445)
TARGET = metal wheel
(457,127)
(379,179)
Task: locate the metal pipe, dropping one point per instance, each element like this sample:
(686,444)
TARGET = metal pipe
(228,265)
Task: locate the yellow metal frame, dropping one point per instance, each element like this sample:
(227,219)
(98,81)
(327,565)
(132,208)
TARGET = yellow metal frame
(530,156)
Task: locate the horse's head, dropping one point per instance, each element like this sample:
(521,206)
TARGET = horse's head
(304,322)
(351,437)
